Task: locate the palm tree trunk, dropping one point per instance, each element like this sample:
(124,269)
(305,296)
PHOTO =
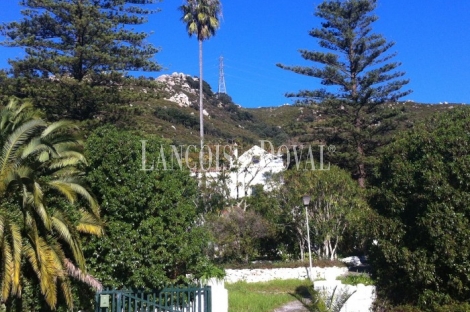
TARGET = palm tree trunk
(201,107)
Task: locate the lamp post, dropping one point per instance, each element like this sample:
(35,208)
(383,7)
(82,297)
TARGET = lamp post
(306,201)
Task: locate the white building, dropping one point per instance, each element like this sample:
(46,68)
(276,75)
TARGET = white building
(255,166)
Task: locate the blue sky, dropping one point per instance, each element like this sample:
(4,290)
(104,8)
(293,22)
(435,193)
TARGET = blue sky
(432,40)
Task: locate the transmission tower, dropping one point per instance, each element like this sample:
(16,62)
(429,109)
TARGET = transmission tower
(221,76)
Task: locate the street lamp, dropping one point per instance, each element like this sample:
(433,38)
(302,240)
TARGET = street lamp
(306,201)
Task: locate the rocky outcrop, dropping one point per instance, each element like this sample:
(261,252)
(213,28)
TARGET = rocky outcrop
(177,87)
(181,99)
(179,91)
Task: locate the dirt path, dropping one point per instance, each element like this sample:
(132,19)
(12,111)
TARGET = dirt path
(294,306)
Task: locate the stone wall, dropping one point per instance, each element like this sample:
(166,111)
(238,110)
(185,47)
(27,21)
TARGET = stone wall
(360,301)
(264,275)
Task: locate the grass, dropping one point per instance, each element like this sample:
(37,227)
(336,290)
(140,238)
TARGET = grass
(264,297)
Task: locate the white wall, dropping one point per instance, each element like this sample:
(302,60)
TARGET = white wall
(360,301)
(219,295)
(264,275)
(324,280)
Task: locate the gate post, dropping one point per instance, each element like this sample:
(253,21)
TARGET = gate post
(218,296)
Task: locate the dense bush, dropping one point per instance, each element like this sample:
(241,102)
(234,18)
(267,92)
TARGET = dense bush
(269,132)
(177,116)
(237,234)
(152,237)
(421,191)
(194,84)
(456,307)
(67,98)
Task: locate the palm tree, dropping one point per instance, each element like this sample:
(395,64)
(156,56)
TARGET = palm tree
(202,19)
(40,161)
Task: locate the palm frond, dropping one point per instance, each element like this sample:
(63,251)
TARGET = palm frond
(12,115)
(341,300)
(70,171)
(75,272)
(16,140)
(58,125)
(67,292)
(64,161)
(2,228)
(16,111)
(69,188)
(7,269)
(35,147)
(90,224)
(63,228)
(65,189)
(46,265)
(39,205)
(68,151)
(16,257)
(32,154)
(31,256)
(29,222)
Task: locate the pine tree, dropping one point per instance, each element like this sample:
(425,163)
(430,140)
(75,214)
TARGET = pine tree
(80,38)
(364,85)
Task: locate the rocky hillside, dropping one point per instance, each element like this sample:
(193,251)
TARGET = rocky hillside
(173,112)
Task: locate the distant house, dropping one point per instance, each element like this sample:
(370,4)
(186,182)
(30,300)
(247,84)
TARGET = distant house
(253,167)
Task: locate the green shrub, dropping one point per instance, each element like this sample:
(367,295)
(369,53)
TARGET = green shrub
(456,307)
(151,233)
(406,308)
(354,279)
(177,116)
(322,301)
(421,192)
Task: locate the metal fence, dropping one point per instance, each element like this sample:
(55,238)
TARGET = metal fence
(169,299)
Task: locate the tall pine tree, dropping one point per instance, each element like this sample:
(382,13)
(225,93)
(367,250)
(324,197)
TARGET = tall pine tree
(81,38)
(354,63)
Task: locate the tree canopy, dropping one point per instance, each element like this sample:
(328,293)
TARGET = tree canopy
(421,193)
(152,234)
(336,204)
(355,64)
(85,38)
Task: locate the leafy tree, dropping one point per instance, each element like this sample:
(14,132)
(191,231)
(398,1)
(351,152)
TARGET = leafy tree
(82,39)
(66,97)
(238,233)
(354,63)
(81,50)
(421,192)
(336,204)
(152,234)
(215,192)
(39,162)
(280,243)
(201,19)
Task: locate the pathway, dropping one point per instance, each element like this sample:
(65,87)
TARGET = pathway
(294,306)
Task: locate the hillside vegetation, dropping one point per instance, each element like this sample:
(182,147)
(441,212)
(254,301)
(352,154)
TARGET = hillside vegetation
(151,106)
